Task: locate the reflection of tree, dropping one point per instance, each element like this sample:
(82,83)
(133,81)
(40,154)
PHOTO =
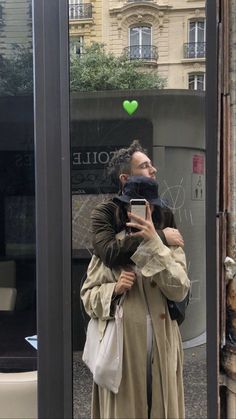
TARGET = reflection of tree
(95,69)
(16,72)
(92,70)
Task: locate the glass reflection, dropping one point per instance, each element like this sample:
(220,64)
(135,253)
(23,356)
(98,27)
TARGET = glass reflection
(158,60)
(17,200)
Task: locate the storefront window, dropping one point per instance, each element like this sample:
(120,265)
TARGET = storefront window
(116,98)
(17,197)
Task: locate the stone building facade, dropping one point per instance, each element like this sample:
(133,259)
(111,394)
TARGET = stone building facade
(167,37)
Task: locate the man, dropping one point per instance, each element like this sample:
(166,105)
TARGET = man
(131,161)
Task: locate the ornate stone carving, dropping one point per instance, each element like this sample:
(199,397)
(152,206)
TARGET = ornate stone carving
(131,14)
(161,19)
(138,18)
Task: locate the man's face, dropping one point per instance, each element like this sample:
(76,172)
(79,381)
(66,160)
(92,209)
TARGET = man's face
(141,165)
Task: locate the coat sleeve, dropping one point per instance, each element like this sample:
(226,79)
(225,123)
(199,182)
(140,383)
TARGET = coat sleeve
(166,266)
(110,250)
(96,292)
(106,247)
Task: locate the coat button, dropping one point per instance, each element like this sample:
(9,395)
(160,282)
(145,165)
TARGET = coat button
(153,283)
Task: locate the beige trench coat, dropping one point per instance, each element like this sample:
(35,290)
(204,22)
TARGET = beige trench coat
(161,272)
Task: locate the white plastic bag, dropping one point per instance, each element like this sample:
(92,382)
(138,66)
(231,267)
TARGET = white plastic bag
(104,357)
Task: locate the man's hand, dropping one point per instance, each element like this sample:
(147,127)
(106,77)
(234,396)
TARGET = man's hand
(125,282)
(173,237)
(147,230)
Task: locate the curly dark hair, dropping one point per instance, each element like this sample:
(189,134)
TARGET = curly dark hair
(120,162)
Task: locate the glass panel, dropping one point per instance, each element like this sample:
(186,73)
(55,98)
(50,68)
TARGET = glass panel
(192,32)
(146,36)
(201,31)
(197,82)
(196,46)
(114,101)
(17,202)
(146,43)
(74,9)
(76,45)
(200,82)
(191,82)
(140,43)
(135,37)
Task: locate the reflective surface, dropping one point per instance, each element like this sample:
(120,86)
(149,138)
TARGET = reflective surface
(162,62)
(17,183)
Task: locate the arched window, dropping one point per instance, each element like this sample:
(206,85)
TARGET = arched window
(140,42)
(196,81)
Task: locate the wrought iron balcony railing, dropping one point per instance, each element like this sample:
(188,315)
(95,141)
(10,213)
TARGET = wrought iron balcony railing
(80,11)
(141,52)
(195,50)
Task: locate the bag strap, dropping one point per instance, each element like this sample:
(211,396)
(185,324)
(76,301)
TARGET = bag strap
(122,298)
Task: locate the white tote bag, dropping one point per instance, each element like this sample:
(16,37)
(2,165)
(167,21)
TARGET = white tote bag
(104,357)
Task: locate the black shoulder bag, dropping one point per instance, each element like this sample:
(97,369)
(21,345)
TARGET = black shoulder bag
(177,309)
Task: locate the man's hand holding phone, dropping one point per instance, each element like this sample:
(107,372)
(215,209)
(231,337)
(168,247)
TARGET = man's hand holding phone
(138,207)
(141,224)
(144,226)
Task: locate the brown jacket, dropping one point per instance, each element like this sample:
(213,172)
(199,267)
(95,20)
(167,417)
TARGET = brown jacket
(104,229)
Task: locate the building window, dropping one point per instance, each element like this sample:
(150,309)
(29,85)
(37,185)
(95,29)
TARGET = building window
(197,31)
(196,46)
(79,10)
(74,9)
(76,45)
(140,42)
(196,81)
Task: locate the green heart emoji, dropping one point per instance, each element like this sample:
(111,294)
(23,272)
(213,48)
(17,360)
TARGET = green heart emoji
(130,107)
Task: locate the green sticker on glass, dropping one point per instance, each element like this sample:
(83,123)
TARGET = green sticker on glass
(130,107)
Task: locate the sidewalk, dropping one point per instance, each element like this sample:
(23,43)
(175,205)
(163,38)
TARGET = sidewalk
(194,381)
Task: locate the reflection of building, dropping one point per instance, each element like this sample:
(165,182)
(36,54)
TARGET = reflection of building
(169,37)
(22,33)
(85,24)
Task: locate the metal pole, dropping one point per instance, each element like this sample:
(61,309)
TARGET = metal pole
(228,175)
(53,208)
(212,283)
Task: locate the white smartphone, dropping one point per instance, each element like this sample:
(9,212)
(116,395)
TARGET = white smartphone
(138,207)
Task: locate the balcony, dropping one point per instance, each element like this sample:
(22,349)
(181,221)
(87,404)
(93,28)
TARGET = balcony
(141,52)
(80,11)
(195,50)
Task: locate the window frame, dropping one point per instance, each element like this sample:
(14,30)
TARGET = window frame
(202,19)
(140,45)
(197,54)
(53,208)
(80,39)
(197,74)
(52,134)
